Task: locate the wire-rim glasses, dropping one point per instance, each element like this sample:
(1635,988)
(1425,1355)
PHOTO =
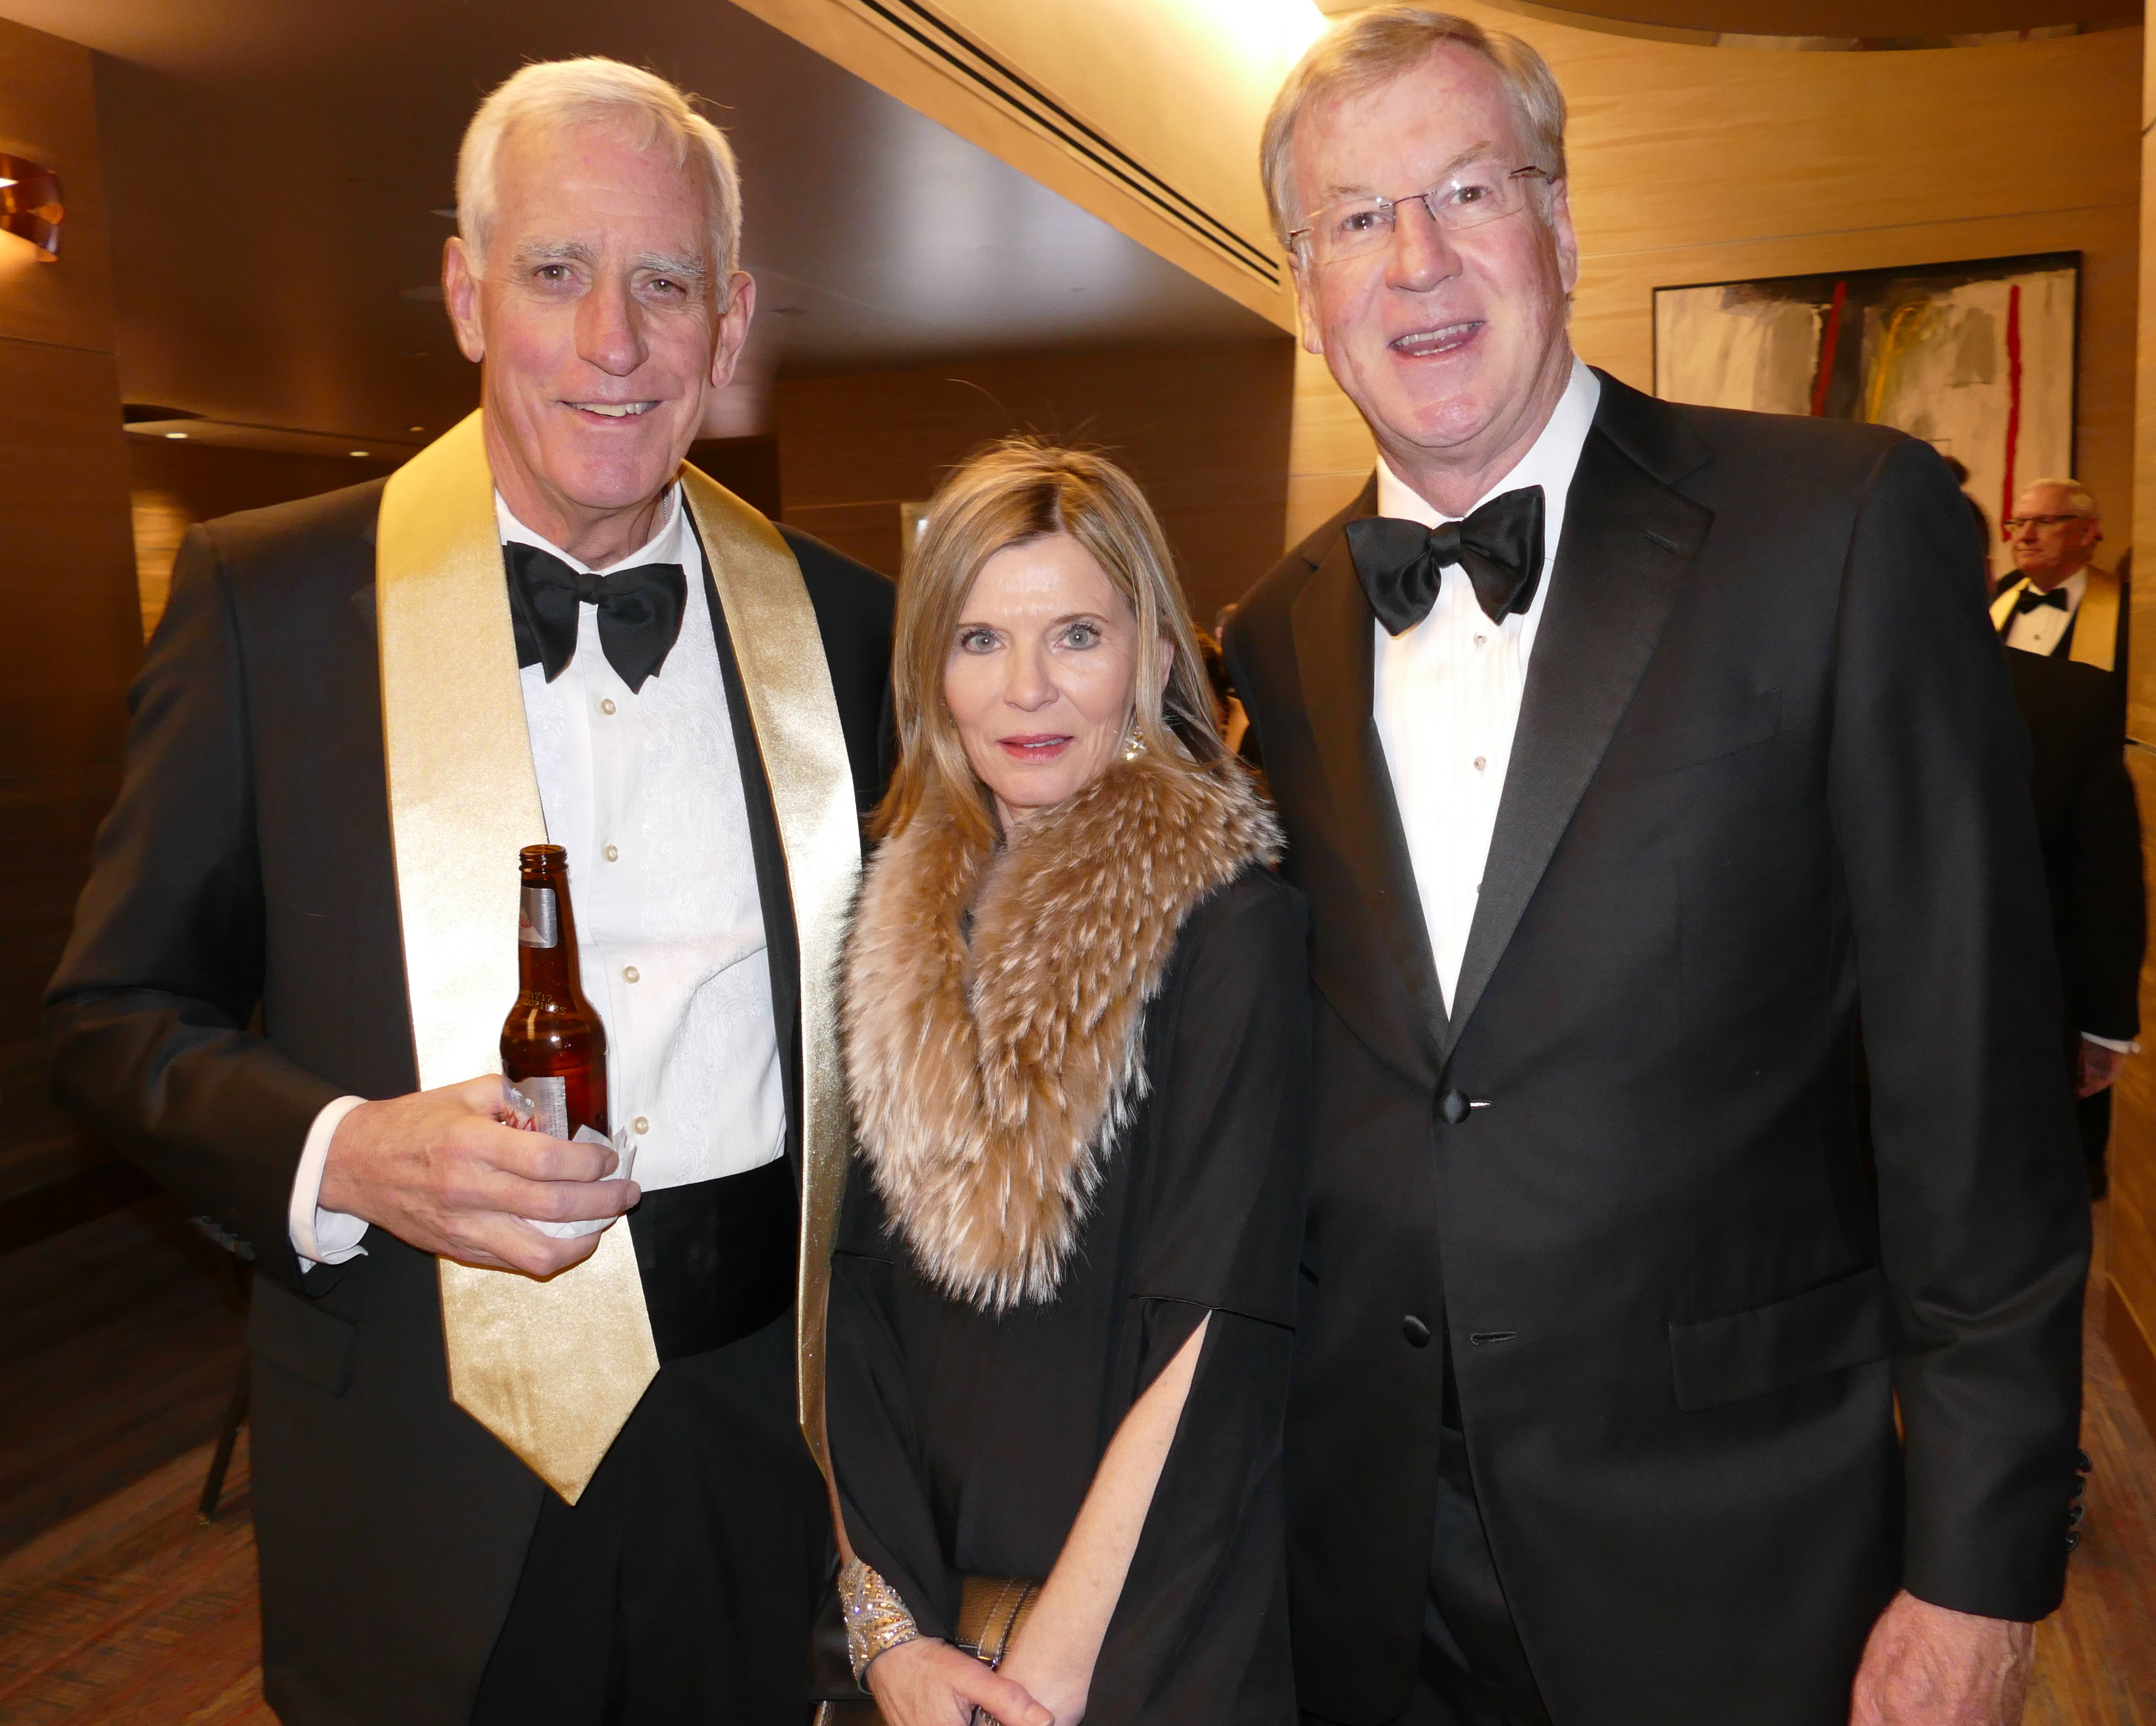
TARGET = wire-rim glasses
(1467,198)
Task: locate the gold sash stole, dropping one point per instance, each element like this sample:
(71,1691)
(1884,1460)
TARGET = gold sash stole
(553,1368)
(2096,619)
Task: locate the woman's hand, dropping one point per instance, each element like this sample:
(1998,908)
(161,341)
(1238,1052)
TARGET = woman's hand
(1060,1684)
(927,1682)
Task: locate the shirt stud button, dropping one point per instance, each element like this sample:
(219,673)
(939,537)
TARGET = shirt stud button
(1480,762)
(629,973)
(606,704)
(614,854)
(641,1124)
(1482,641)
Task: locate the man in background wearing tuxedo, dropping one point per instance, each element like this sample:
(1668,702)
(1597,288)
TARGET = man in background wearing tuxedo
(2091,837)
(1625,750)
(2061,605)
(501,1475)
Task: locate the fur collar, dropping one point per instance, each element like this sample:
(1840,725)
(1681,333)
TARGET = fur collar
(989,1082)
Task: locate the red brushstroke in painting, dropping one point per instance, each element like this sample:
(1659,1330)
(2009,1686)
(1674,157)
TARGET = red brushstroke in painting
(2013,397)
(1830,339)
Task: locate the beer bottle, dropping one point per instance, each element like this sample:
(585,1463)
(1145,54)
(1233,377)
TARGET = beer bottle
(553,1047)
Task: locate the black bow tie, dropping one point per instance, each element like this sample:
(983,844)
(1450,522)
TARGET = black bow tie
(1400,563)
(639,612)
(2031,600)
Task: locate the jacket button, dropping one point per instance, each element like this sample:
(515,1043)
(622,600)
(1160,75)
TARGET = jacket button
(1454,1106)
(1415,1331)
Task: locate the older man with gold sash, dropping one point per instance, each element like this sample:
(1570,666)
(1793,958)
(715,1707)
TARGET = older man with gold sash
(501,1474)
(2058,604)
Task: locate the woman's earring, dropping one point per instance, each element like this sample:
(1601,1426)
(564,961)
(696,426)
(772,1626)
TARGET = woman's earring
(1133,741)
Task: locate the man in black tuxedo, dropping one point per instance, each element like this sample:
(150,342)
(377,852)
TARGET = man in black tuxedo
(2092,838)
(298,944)
(2058,602)
(1625,750)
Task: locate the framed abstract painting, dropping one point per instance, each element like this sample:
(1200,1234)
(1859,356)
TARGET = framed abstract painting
(1976,358)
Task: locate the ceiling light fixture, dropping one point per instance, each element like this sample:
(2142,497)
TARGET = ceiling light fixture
(359,452)
(30,207)
(175,434)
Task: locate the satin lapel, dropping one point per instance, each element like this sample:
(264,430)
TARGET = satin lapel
(2093,637)
(781,949)
(2002,607)
(1335,650)
(1629,542)
(772,625)
(552,1369)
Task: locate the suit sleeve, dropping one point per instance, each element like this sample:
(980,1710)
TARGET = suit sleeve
(2107,927)
(150,1012)
(1982,1212)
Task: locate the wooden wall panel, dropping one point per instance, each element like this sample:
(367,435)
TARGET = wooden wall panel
(1704,164)
(176,484)
(1204,429)
(67,581)
(1330,453)
(48,113)
(2131,1307)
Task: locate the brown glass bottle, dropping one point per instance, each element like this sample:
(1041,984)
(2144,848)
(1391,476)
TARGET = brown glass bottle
(553,1047)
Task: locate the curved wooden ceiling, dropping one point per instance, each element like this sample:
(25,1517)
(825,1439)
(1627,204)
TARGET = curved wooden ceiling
(274,172)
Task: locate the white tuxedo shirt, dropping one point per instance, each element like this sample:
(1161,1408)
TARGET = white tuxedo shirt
(643,791)
(1447,692)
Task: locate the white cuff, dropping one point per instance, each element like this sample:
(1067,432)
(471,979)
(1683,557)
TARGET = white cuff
(322,1236)
(2112,1044)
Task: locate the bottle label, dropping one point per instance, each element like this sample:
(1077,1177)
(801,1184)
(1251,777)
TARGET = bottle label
(549,1098)
(538,922)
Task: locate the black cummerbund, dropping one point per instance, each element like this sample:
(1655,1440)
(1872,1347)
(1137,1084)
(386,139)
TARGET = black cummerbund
(718,1259)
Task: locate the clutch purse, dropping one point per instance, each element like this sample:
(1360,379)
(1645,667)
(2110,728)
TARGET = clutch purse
(991,1609)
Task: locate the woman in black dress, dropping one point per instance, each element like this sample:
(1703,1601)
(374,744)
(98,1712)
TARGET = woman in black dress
(1077,1030)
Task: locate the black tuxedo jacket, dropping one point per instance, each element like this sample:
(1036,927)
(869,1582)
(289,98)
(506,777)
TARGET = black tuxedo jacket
(236,964)
(2092,838)
(1766,767)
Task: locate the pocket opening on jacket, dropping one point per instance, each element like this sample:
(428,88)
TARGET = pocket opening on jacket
(1849,1322)
(290,1331)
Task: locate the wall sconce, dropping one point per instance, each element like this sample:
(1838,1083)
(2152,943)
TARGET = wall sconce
(30,204)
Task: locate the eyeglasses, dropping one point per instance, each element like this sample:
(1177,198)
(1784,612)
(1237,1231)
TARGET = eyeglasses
(1473,195)
(2015,524)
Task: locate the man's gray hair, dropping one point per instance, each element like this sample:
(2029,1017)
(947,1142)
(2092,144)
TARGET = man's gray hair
(2080,500)
(652,114)
(1372,49)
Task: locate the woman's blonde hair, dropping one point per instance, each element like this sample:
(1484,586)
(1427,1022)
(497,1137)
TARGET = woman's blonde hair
(1008,494)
